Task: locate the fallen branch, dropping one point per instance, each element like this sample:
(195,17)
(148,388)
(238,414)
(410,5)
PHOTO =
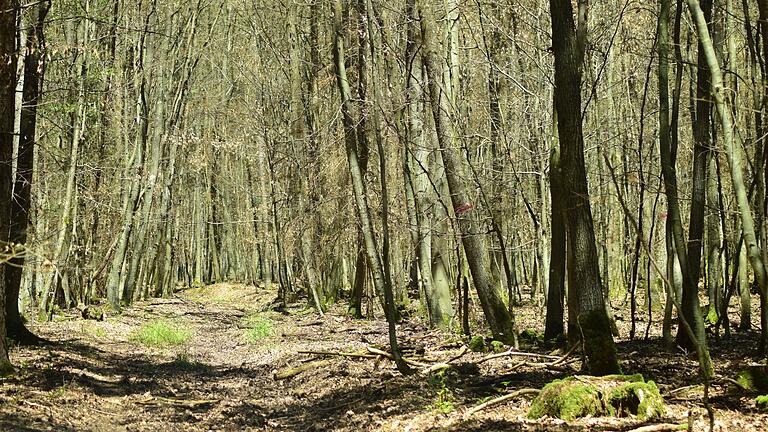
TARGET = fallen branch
(567,354)
(500,399)
(736,383)
(661,427)
(385,354)
(464,350)
(292,372)
(358,354)
(188,403)
(512,353)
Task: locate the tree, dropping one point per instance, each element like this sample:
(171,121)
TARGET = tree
(592,328)
(733,149)
(381,278)
(499,319)
(8,11)
(34,67)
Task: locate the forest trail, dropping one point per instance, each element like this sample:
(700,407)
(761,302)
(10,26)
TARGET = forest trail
(99,377)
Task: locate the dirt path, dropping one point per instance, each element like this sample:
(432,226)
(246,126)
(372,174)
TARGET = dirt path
(97,378)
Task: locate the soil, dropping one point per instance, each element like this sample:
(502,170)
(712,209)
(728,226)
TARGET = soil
(94,377)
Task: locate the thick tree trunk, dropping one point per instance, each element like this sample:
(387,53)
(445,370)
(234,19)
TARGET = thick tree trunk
(592,323)
(34,67)
(8,11)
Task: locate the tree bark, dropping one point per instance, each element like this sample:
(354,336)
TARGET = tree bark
(732,143)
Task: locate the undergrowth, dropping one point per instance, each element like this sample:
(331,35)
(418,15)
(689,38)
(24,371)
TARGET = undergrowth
(258,327)
(160,333)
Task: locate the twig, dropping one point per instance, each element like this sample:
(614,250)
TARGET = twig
(660,427)
(500,399)
(567,354)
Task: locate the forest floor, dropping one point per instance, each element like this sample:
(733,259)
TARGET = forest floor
(96,375)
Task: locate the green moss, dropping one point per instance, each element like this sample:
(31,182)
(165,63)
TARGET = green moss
(531,336)
(754,378)
(497,346)
(636,397)
(762,402)
(710,314)
(598,341)
(477,344)
(615,395)
(6,368)
(567,399)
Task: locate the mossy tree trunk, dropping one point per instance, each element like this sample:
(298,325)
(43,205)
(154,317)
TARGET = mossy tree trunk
(438,297)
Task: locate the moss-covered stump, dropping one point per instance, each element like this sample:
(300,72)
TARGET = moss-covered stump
(754,378)
(611,395)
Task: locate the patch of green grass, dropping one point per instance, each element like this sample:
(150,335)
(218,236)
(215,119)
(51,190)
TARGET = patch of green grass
(443,400)
(161,333)
(258,327)
(93,330)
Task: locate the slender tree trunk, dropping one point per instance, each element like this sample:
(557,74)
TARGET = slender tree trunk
(701,157)
(733,149)
(499,319)
(381,281)
(554,321)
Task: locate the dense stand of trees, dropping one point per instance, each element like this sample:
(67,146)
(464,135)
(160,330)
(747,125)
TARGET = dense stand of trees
(457,158)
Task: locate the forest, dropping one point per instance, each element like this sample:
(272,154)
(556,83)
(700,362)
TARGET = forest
(390,215)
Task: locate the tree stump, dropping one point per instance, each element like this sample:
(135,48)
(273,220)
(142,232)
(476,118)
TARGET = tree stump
(611,395)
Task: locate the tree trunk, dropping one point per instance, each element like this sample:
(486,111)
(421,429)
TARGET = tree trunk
(554,321)
(499,319)
(381,281)
(701,156)
(34,67)
(733,149)
(8,11)
(592,323)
